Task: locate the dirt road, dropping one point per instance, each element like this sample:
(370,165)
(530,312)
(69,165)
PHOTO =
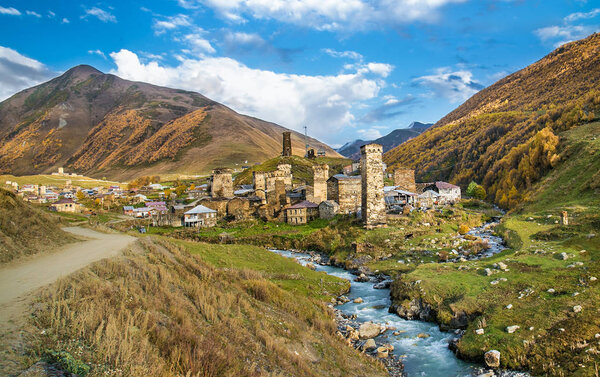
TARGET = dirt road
(19,281)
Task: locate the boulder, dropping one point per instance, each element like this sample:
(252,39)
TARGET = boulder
(509,306)
(502,266)
(512,329)
(358,300)
(382,352)
(423,335)
(369,344)
(563,256)
(362,278)
(480,331)
(368,330)
(492,359)
(577,308)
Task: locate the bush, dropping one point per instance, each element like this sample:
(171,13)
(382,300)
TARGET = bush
(67,362)
(463,229)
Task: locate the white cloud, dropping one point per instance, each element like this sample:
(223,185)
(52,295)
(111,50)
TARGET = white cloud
(18,72)
(369,133)
(457,86)
(65,21)
(198,44)
(582,16)
(32,13)
(323,102)
(343,54)
(328,14)
(97,52)
(101,14)
(10,11)
(51,14)
(241,38)
(381,69)
(569,31)
(171,23)
(560,35)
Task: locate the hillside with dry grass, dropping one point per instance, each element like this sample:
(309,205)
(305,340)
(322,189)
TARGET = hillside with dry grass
(191,309)
(25,230)
(508,136)
(103,126)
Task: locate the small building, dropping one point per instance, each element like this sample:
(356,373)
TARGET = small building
(302,213)
(428,199)
(200,216)
(449,193)
(128,210)
(142,212)
(398,197)
(328,209)
(66,205)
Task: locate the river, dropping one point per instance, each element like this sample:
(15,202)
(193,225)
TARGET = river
(428,356)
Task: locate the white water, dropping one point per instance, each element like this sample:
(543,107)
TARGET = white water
(421,357)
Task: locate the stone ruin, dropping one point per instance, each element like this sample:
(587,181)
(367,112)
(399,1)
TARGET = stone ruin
(405,179)
(221,183)
(372,196)
(287,144)
(320,177)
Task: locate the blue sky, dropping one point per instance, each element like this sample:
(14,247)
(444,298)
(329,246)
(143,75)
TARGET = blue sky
(346,68)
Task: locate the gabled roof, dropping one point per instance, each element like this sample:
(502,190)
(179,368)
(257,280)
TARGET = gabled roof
(304,204)
(445,185)
(344,176)
(200,209)
(127,208)
(429,193)
(65,201)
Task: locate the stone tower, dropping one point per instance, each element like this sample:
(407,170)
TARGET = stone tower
(321,175)
(260,184)
(221,183)
(287,144)
(405,179)
(373,202)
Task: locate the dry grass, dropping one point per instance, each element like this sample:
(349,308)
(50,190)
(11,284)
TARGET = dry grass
(164,312)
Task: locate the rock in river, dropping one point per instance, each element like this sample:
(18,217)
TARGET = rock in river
(369,330)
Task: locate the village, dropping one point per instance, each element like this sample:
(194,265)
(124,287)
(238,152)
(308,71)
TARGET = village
(358,190)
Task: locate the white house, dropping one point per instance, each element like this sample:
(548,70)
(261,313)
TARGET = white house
(200,216)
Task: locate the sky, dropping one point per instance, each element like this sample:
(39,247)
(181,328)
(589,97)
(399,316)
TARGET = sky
(346,69)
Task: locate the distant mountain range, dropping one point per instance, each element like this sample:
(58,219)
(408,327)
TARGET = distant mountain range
(389,141)
(101,125)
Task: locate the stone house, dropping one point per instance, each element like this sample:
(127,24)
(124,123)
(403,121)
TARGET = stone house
(66,205)
(200,216)
(428,199)
(346,191)
(220,184)
(302,213)
(328,209)
(449,193)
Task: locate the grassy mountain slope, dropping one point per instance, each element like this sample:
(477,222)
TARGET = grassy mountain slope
(389,141)
(301,168)
(189,309)
(101,125)
(508,136)
(25,230)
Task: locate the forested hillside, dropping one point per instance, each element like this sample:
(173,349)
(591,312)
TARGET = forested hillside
(508,136)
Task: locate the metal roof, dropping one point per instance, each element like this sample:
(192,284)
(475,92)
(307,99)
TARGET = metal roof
(200,209)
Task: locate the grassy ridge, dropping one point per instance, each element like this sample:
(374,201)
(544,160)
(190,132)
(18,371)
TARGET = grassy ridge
(26,230)
(169,309)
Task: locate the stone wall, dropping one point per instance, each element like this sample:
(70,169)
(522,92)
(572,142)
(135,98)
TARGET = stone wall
(372,196)
(405,179)
(346,192)
(320,175)
(260,184)
(287,144)
(221,183)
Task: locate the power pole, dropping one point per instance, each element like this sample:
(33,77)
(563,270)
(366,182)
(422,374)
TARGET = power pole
(306,140)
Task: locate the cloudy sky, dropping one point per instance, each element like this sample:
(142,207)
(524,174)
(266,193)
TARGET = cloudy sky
(345,68)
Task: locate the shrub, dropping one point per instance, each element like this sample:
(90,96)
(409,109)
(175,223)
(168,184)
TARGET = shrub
(463,229)
(67,362)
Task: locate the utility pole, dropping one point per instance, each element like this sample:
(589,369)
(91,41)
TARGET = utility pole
(306,140)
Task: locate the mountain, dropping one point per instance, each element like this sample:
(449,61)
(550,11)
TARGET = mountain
(101,125)
(389,141)
(509,135)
